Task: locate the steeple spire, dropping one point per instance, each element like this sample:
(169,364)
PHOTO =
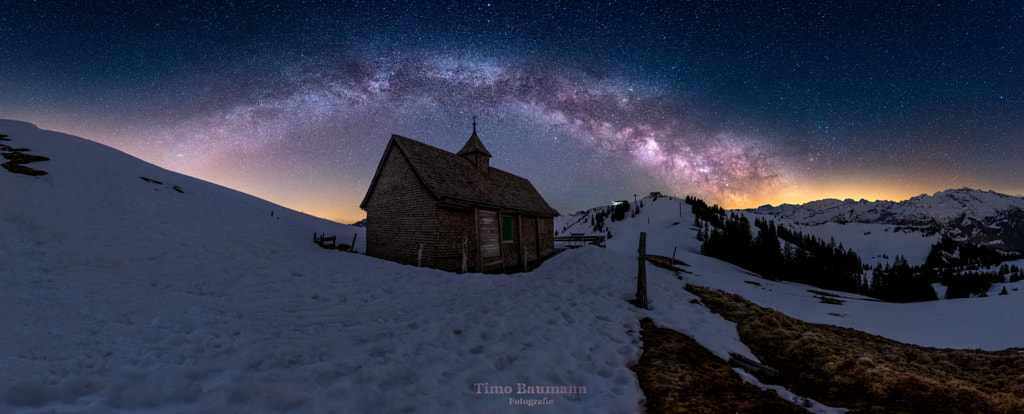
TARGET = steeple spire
(475,152)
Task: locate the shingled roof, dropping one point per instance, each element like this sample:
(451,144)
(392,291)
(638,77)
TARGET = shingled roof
(453,179)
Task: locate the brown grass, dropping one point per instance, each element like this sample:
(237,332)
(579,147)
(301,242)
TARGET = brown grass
(849,368)
(667,263)
(680,376)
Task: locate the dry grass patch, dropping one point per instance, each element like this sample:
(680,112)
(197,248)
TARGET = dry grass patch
(680,376)
(667,263)
(849,368)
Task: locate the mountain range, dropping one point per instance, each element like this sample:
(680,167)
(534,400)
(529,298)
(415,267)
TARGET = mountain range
(969,215)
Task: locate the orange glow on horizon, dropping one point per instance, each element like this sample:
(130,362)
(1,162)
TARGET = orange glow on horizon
(336,216)
(862,189)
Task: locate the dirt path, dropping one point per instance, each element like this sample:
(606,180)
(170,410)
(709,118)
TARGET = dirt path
(680,376)
(843,367)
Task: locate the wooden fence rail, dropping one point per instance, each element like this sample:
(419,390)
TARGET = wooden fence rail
(578,240)
(323,239)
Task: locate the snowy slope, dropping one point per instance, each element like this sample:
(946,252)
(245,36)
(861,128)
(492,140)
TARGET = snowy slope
(128,295)
(874,243)
(977,323)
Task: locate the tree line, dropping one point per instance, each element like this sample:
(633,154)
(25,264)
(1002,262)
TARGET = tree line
(798,258)
(779,253)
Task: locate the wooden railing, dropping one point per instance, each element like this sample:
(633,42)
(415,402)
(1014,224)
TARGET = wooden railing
(578,240)
(323,240)
(331,242)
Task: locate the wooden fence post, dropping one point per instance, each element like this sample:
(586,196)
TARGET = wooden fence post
(641,279)
(465,254)
(673,263)
(526,267)
(353,248)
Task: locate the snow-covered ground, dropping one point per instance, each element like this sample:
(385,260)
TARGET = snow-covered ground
(168,294)
(976,323)
(873,243)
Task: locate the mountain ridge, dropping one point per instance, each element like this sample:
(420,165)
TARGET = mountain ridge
(965,214)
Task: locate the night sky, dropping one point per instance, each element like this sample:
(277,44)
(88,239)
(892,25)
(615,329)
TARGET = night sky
(742,104)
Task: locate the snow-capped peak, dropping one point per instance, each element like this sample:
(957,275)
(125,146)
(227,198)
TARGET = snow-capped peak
(941,208)
(965,214)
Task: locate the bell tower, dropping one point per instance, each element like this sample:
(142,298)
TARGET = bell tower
(475,152)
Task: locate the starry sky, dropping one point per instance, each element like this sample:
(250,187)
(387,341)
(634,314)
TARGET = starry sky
(742,103)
